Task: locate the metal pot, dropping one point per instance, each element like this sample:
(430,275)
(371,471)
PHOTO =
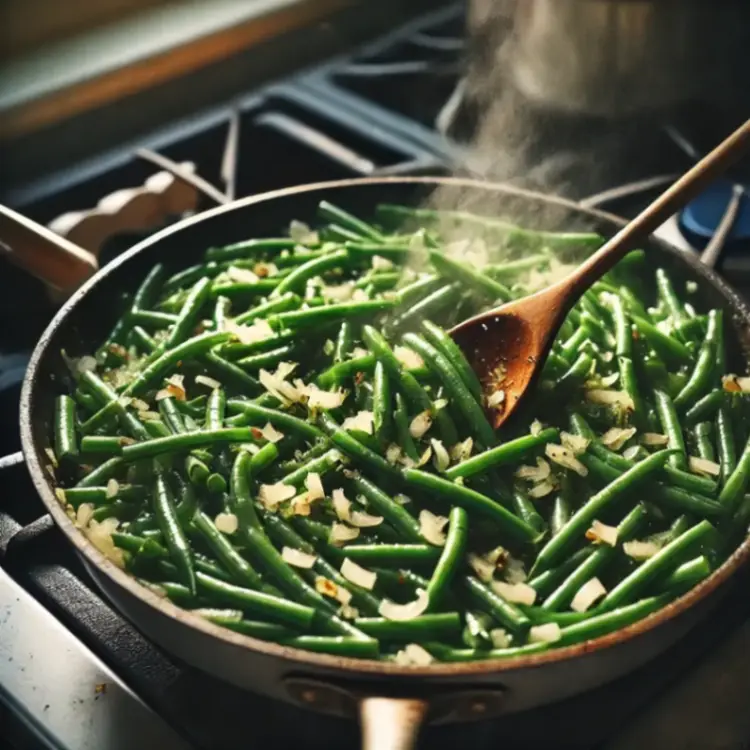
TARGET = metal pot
(614,57)
(391,700)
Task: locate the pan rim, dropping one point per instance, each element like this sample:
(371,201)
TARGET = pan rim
(350,666)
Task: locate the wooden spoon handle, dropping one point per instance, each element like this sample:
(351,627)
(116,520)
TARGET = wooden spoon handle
(671,200)
(58,262)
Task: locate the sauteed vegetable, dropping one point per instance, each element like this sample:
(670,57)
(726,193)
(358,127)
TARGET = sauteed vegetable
(284,440)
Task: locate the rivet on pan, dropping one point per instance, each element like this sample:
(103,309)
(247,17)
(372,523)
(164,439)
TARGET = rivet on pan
(309,696)
(478,707)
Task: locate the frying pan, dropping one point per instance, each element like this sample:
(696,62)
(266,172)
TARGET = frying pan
(391,700)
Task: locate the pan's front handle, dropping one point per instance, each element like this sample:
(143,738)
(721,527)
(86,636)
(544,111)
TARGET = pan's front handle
(391,723)
(58,262)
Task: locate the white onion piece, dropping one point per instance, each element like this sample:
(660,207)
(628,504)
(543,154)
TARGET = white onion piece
(514,570)
(86,364)
(341,534)
(499,638)
(442,459)
(379,263)
(601,533)
(497,398)
(401,612)
(736,383)
(319,399)
(326,587)
(703,466)
(301,232)
(408,357)
(100,535)
(314,487)
(425,457)
(590,592)
(162,394)
(575,443)
(420,424)
(226,523)
(615,437)
(83,515)
(140,405)
(242,275)
(537,473)
(393,453)
(208,382)
(535,428)
(301,505)
(284,369)
(413,655)
(640,550)
(113,487)
(439,403)
(358,575)
(297,558)
(260,330)
(484,569)
(462,451)
(431,527)
(364,520)
(149,415)
(279,388)
(542,489)
(565,458)
(631,452)
(338,292)
(341,504)
(609,380)
(264,270)
(271,495)
(610,398)
(516,593)
(547,633)
(362,421)
(654,438)
(270,433)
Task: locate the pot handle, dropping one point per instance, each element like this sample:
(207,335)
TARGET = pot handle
(391,723)
(58,262)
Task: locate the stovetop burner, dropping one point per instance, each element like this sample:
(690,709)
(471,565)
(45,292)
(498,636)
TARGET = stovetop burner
(73,672)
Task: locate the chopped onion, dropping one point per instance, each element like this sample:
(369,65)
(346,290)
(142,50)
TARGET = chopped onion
(314,487)
(297,558)
(609,380)
(413,655)
(536,473)
(83,515)
(364,520)
(341,533)
(514,570)
(329,347)
(431,527)
(226,523)
(360,295)
(425,457)
(615,437)
(439,404)
(271,495)
(278,387)
(516,593)
(358,352)
(392,611)
(358,575)
(576,443)
(162,394)
(60,495)
(301,505)
(242,275)
(264,270)
(736,384)
(100,535)
(140,405)
(284,369)
(326,587)
(393,453)
(408,357)
(270,433)
(362,421)
(592,590)
(631,452)
(565,458)
(442,459)
(338,292)
(610,398)
(301,232)
(462,451)
(640,550)
(542,489)
(704,466)
(535,428)
(260,330)
(547,633)
(319,399)
(348,612)
(654,438)
(379,263)
(484,569)
(113,487)
(497,398)
(149,415)
(499,638)
(600,533)
(420,424)
(341,504)
(208,382)
(86,364)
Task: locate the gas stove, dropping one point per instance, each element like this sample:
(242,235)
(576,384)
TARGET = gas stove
(73,673)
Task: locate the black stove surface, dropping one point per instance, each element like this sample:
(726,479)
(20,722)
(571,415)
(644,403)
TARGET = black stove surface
(376,112)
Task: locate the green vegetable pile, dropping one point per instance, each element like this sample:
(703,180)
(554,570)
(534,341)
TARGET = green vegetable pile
(285,440)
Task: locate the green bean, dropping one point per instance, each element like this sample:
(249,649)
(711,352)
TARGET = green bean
(725,443)
(450,654)
(582,518)
(669,556)
(665,346)
(186,441)
(319,465)
(344,342)
(172,416)
(188,315)
(102,473)
(339,216)
(704,408)
(506,613)
(545,582)
(736,483)
(391,555)
(216,484)
(103,445)
(66,444)
(451,269)
(282,303)
(687,575)
(255,414)
(231,289)
(382,404)
(215,408)
(109,398)
(296,280)
(320,316)
(355,648)
(267,359)
(671,425)
(174,536)
(561,510)
(440,625)
(701,378)
(524,509)
(396,515)
(451,556)
(470,500)
(705,446)
(502,455)
(249,248)
(339,372)
(152,318)
(430,306)
(448,347)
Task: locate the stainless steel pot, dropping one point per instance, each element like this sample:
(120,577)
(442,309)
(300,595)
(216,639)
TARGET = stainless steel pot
(615,57)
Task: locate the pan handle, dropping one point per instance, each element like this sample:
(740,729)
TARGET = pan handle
(391,723)
(56,261)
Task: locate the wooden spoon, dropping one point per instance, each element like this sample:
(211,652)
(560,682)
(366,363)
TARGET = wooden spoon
(507,346)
